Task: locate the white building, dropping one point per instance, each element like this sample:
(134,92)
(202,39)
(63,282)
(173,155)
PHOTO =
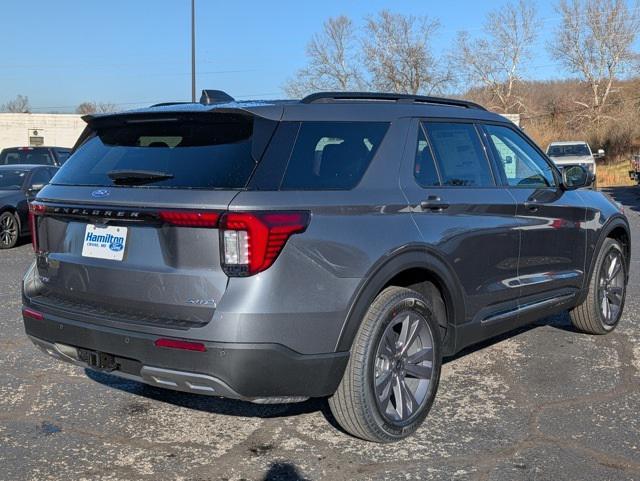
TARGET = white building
(23,130)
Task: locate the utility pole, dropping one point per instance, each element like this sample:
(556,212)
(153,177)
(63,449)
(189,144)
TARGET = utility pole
(193,50)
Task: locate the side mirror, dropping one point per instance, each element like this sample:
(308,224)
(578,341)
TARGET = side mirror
(599,154)
(36,188)
(576,176)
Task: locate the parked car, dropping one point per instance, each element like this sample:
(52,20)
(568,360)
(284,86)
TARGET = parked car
(336,246)
(568,153)
(55,156)
(18,185)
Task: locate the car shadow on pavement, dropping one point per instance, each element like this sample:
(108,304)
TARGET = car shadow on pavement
(232,407)
(283,472)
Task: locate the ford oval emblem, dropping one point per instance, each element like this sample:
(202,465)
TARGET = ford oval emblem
(100,193)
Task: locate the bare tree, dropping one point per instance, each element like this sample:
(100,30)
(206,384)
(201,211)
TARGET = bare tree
(398,56)
(19,105)
(595,41)
(332,62)
(92,107)
(494,62)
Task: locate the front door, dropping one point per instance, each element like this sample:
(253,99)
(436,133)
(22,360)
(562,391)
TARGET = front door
(552,221)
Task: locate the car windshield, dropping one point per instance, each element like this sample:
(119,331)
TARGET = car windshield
(25,156)
(12,179)
(571,150)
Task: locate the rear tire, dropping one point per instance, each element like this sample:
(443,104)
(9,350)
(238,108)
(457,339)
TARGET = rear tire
(601,310)
(392,376)
(9,230)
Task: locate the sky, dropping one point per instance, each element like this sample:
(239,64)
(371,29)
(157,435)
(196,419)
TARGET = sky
(136,52)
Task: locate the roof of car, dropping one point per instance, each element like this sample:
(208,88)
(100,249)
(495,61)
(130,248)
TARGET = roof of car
(27,147)
(356,106)
(24,166)
(568,142)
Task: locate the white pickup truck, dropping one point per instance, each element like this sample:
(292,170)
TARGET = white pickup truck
(569,153)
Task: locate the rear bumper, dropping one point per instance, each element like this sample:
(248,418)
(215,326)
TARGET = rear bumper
(248,371)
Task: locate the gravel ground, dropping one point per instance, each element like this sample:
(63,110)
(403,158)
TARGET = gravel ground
(544,403)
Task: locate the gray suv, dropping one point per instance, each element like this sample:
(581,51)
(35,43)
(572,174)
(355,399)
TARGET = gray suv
(338,246)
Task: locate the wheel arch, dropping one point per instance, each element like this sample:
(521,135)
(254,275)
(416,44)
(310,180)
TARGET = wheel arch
(407,267)
(615,228)
(14,211)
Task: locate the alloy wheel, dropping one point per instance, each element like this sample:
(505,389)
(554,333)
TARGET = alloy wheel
(611,287)
(8,230)
(403,367)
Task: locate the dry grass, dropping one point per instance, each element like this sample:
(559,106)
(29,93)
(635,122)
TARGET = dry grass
(614,174)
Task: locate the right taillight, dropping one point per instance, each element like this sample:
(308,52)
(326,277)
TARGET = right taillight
(35,210)
(251,241)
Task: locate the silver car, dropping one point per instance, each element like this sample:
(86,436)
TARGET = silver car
(337,246)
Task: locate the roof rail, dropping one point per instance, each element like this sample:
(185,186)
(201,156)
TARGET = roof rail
(328,97)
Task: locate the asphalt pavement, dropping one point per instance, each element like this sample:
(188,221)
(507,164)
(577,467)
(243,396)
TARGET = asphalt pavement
(543,403)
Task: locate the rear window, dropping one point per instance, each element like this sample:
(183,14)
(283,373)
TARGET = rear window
(214,152)
(332,155)
(25,156)
(569,150)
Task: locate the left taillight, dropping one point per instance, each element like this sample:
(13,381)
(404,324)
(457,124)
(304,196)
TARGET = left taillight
(250,242)
(35,210)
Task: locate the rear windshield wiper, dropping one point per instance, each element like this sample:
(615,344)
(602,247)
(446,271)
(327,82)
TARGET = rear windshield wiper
(138,177)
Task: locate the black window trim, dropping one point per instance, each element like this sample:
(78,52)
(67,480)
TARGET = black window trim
(433,158)
(488,157)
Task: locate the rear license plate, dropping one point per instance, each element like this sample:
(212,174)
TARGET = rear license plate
(104,242)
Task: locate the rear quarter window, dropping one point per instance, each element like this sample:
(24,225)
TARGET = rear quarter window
(332,155)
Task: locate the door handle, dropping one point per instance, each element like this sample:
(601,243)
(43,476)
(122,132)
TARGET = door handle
(434,203)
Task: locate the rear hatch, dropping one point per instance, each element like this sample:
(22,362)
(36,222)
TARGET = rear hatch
(127,229)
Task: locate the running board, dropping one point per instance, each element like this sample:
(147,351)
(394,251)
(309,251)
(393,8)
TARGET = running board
(502,316)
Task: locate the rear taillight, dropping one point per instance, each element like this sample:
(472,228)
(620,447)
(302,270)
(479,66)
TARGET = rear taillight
(251,241)
(35,210)
(190,218)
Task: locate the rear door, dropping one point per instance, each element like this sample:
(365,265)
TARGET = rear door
(552,221)
(465,216)
(127,228)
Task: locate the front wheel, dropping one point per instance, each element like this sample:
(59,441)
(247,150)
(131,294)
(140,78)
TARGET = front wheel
(601,310)
(392,376)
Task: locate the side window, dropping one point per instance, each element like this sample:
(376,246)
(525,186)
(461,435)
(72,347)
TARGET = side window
(332,155)
(424,169)
(522,164)
(40,176)
(63,155)
(459,154)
